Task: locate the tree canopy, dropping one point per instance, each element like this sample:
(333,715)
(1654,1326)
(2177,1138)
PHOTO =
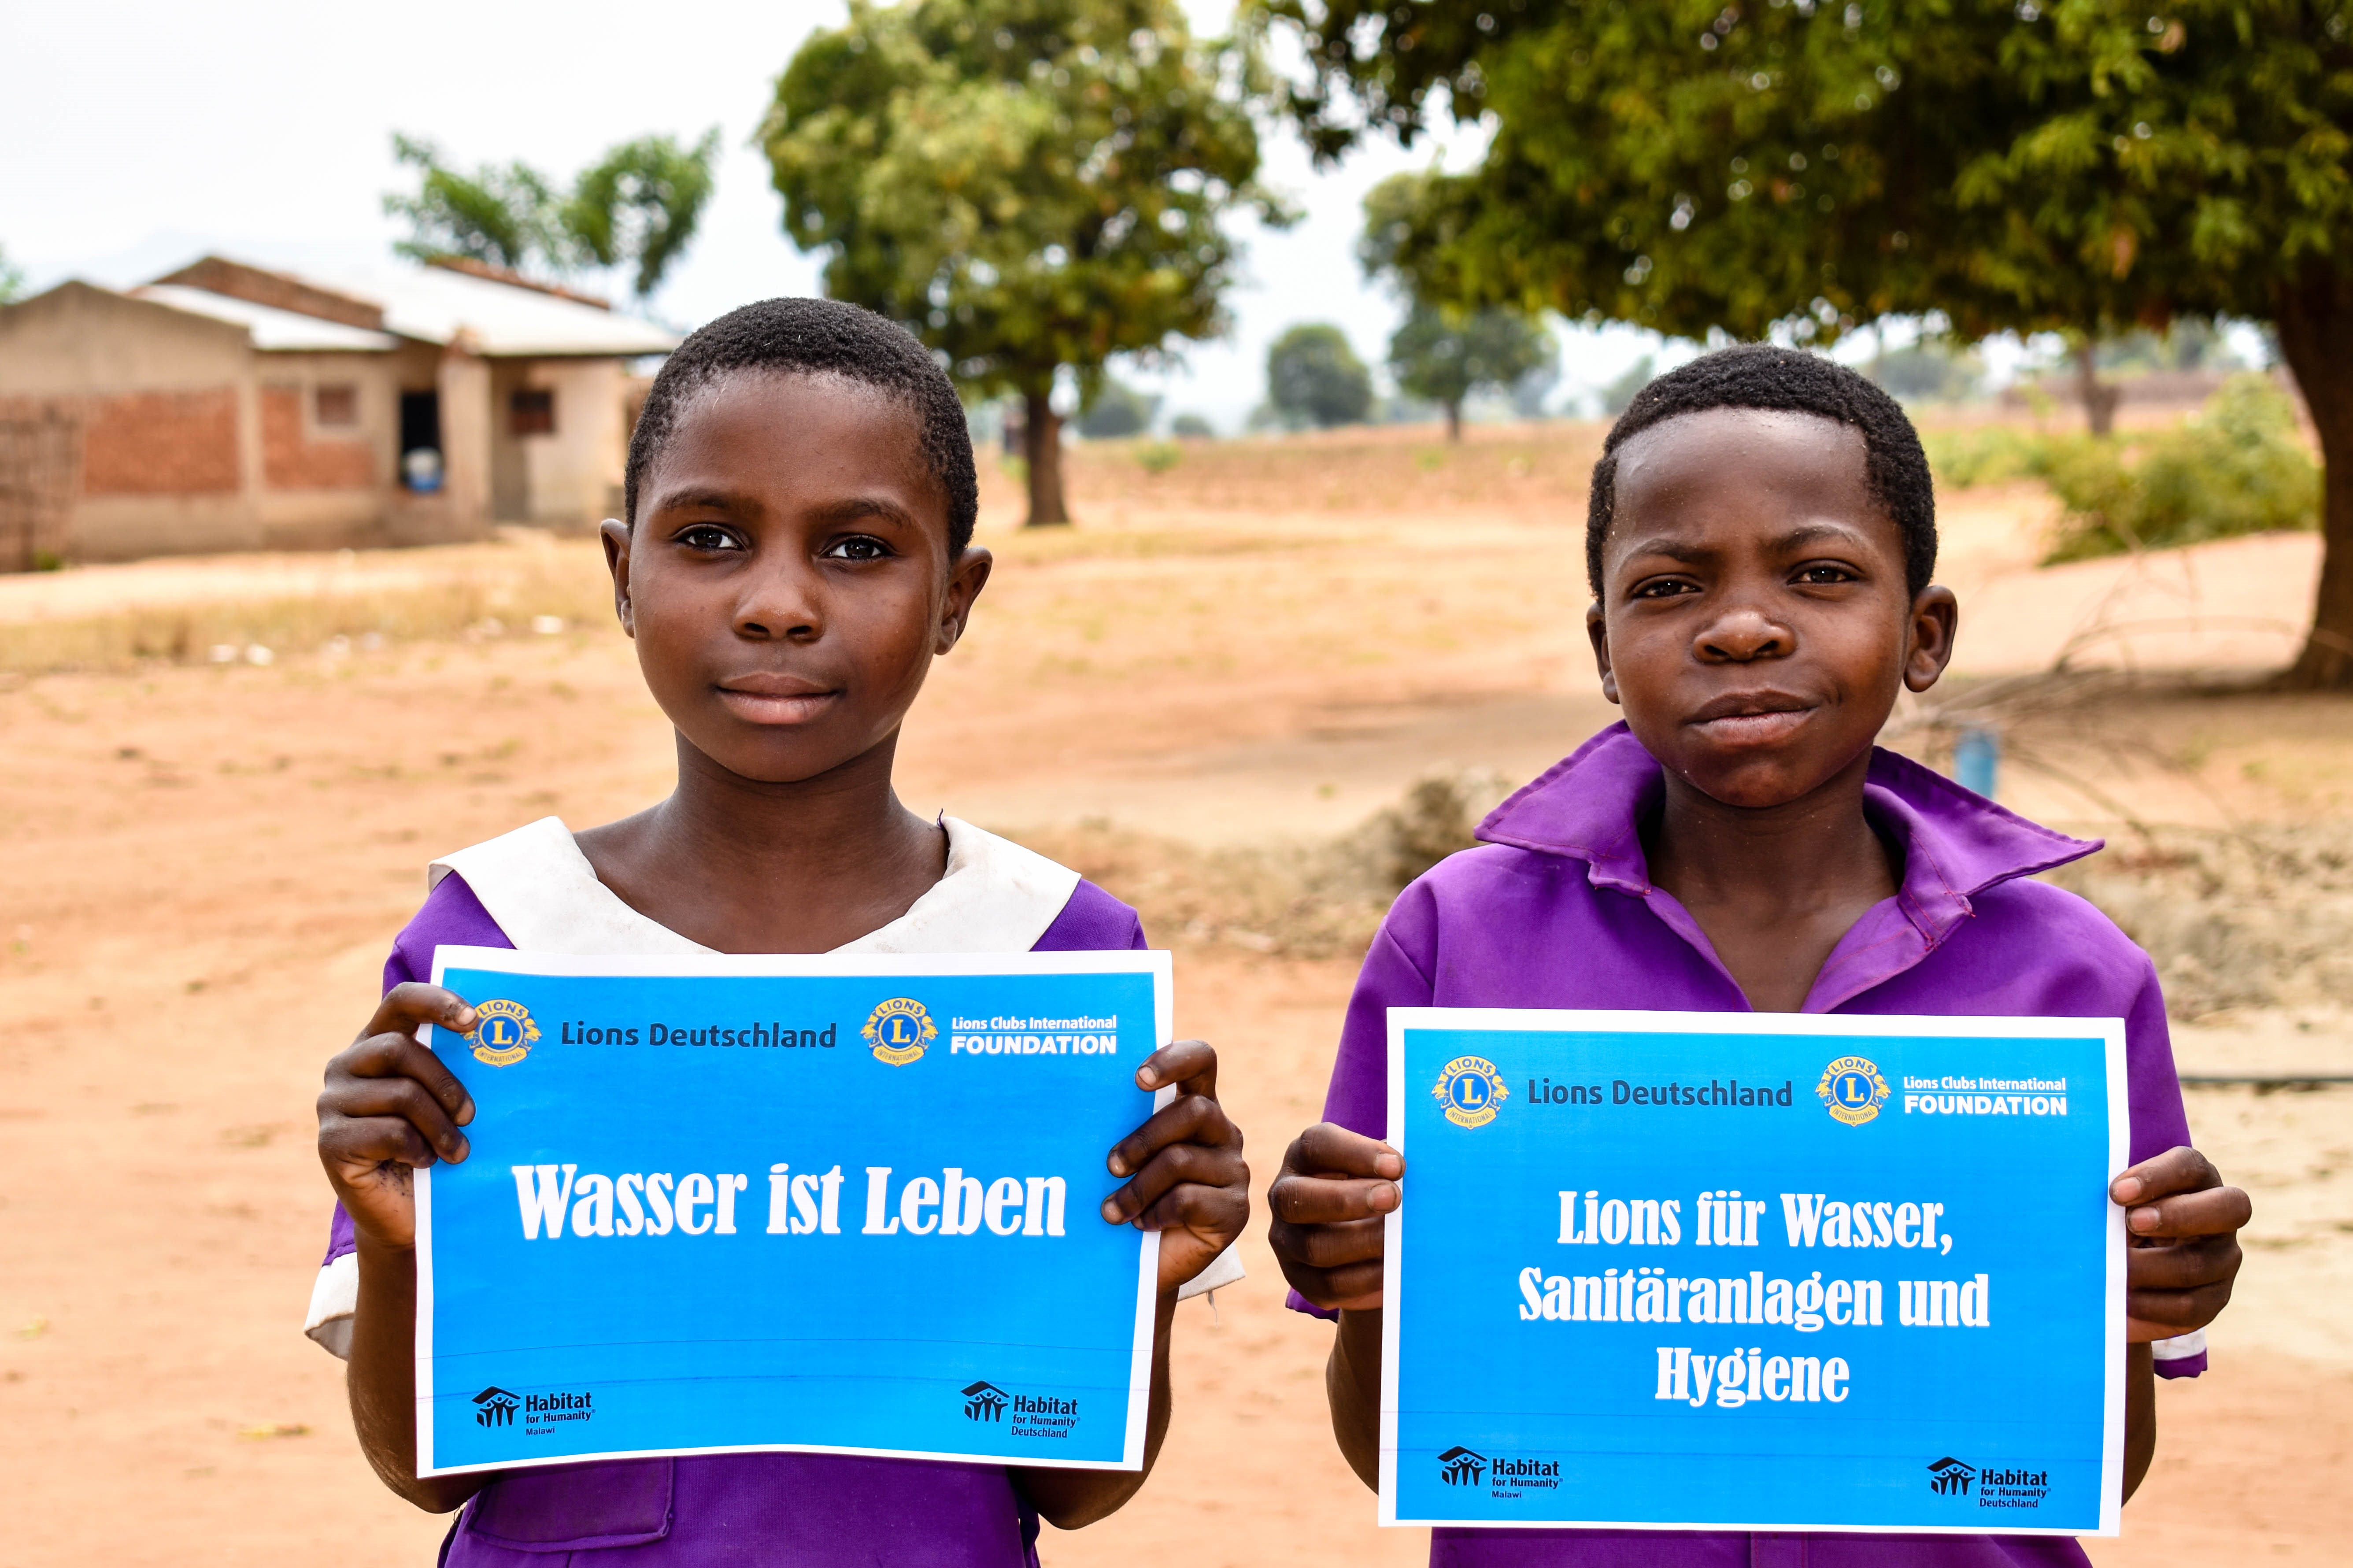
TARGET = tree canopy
(636,208)
(1803,168)
(1032,187)
(1314,377)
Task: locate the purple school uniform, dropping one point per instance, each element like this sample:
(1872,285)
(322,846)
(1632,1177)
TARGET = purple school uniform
(1556,909)
(740,1510)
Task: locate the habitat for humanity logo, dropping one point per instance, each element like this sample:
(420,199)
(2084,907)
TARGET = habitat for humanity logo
(898,1029)
(1998,1486)
(1470,1089)
(984,1402)
(1461,1466)
(503,1033)
(494,1406)
(1852,1090)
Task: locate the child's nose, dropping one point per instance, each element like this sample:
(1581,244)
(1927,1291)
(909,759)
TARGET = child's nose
(1744,634)
(779,604)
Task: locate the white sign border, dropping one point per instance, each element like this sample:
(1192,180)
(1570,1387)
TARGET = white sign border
(1538,1020)
(1156,963)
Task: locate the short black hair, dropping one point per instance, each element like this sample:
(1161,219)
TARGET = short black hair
(816,337)
(1759,376)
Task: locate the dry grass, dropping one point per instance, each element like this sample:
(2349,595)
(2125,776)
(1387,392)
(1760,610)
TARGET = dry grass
(483,593)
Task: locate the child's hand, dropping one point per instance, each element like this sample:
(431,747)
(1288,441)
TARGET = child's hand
(390,1105)
(1328,1201)
(2184,1250)
(1190,1183)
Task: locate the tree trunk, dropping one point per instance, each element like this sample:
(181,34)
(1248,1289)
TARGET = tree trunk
(2315,317)
(2100,399)
(1042,435)
(1454,421)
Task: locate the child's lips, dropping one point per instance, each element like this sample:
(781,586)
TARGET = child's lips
(777,699)
(1752,729)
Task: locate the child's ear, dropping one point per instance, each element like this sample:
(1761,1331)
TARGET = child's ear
(616,538)
(1597,629)
(1928,646)
(966,577)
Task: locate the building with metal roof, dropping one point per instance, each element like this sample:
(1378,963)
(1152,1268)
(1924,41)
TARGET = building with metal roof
(230,406)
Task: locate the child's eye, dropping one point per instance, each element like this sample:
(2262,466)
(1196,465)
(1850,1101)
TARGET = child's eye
(1663,588)
(858,547)
(707,536)
(1823,573)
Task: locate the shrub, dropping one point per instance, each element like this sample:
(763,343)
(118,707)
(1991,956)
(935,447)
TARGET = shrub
(1988,454)
(2239,467)
(1159,457)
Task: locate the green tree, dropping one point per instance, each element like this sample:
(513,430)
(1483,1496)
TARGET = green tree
(1116,410)
(637,207)
(2074,166)
(1314,377)
(1032,187)
(1443,356)
(1441,353)
(639,204)
(12,279)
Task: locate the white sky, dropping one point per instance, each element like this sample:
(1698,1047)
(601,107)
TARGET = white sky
(144,135)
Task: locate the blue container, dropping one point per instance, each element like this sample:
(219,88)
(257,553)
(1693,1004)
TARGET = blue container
(1976,760)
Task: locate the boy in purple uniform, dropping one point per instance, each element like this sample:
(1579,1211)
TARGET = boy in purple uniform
(800,500)
(1760,540)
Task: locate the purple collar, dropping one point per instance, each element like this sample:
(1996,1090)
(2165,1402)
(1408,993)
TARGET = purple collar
(1590,807)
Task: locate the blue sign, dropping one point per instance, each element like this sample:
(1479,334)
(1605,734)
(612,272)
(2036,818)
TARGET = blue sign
(1714,1271)
(837,1205)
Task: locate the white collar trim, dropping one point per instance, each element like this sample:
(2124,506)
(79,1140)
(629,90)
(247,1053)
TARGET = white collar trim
(996,896)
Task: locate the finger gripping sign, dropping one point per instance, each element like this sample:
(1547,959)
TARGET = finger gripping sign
(1711,1271)
(824,1203)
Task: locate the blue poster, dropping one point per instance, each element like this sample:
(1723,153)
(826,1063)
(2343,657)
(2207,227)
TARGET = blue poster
(831,1204)
(1777,1272)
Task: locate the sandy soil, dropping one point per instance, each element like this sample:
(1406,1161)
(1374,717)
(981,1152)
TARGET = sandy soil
(205,865)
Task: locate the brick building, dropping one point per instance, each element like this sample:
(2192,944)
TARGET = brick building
(226,406)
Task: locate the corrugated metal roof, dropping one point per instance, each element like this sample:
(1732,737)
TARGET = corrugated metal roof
(273,331)
(435,305)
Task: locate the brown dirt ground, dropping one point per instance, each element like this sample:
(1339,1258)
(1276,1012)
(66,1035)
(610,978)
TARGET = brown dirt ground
(205,863)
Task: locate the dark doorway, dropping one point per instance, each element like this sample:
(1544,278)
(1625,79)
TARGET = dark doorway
(420,425)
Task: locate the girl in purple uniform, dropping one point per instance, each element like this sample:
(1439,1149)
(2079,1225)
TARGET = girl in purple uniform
(1760,541)
(800,500)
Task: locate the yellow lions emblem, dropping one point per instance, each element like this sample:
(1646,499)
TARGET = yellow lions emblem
(898,1029)
(503,1033)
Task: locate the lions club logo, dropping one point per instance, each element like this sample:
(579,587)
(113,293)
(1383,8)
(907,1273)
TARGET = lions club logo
(1470,1089)
(899,1030)
(1852,1090)
(503,1033)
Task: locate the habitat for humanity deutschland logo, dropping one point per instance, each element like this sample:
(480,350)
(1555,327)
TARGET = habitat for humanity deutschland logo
(1470,1089)
(503,1033)
(494,1406)
(983,1401)
(1852,1090)
(898,1029)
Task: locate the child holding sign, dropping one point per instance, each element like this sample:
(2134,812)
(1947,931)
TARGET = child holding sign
(1760,541)
(800,500)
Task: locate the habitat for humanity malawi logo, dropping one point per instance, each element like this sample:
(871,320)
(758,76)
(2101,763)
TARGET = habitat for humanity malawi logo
(1461,1466)
(1470,1089)
(494,1406)
(1852,1090)
(503,1033)
(898,1029)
